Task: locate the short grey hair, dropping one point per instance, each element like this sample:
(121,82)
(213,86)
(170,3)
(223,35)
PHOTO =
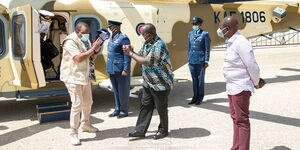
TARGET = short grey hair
(79,25)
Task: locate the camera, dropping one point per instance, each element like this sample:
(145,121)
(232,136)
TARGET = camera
(103,34)
(279,12)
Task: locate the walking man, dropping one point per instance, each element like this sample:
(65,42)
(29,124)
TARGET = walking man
(118,68)
(158,81)
(241,74)
(198,57)
(77,71)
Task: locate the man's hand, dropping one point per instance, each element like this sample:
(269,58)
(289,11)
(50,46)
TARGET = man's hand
(127,49)
(94,56)
(124,73)
(206,65)
(261,83)
(97,44)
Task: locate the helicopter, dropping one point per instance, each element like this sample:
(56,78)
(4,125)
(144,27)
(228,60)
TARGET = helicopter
(21,72)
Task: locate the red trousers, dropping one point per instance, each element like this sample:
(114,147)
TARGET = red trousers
(239,111)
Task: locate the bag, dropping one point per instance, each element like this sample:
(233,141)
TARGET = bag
(50,49)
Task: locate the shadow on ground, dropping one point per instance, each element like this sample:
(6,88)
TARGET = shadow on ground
(280,148)
(103,102)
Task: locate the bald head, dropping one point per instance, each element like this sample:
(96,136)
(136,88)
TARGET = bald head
(149,28)
(230,21)
(148,31)
(229,26)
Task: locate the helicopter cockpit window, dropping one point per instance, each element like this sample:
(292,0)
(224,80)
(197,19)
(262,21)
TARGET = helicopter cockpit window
(94,26)
(2,38)
(18,36)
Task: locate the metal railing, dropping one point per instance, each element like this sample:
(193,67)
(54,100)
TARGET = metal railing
(290,37)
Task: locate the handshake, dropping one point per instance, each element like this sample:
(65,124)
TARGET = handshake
(261,83)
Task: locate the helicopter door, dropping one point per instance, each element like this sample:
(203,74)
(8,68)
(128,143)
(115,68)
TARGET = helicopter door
(25,45)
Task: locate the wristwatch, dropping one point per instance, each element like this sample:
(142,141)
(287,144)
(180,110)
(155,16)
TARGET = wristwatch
(94,51)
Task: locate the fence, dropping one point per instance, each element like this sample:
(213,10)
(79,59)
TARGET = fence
(290,37)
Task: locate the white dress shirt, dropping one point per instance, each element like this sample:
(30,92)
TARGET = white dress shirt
(240,69)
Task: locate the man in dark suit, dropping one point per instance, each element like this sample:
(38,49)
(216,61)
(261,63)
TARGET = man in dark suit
(198,57)
(118,68)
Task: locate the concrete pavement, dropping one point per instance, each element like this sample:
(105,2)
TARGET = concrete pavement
(275,114)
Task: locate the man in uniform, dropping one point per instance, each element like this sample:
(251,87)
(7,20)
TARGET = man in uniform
(198,57)
(118,68)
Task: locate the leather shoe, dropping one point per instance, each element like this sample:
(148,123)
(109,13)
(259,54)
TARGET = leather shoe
(192,102)
(136,134)
(160,135)
(114,114)
(198,103)
(122,115)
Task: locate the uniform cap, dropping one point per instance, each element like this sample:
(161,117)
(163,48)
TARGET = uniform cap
(112,22)
(197,20)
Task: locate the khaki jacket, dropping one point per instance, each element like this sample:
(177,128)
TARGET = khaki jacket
(70,70)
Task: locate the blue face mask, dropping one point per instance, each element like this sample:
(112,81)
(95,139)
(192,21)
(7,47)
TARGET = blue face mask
(195,28)
(85,37)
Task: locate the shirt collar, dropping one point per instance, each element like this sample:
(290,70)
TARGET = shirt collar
(233,38)
(116,35)
(198,31)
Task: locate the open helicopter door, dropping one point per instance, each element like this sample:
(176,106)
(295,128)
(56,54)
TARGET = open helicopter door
(25,48)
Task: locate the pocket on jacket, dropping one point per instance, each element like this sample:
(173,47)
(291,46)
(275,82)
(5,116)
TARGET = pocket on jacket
(118,67)
(198,54)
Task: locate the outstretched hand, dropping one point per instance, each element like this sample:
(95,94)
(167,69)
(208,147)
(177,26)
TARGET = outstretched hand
(127,49)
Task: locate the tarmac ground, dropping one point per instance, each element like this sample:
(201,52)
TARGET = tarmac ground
(274,115)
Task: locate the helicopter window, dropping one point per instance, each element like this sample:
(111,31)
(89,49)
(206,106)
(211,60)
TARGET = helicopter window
(2,38)
(18,36)
(93,24)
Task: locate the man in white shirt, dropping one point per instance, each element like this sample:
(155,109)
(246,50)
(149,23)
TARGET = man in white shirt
(241,74)
(77,72)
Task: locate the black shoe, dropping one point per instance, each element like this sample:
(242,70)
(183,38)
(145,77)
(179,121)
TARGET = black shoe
(122,115)
(136,134)
(160,135)
(114,114)
(192,102)
(198,103)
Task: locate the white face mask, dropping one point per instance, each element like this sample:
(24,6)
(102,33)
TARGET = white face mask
(220,33)
(44,26)
(142,39)
(85,37)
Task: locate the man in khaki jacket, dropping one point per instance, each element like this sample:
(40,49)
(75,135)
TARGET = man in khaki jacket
(77,70)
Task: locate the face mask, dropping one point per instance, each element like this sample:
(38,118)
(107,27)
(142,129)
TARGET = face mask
(220,33)
(44,26)
(142,39)
(195,28)
(85,37)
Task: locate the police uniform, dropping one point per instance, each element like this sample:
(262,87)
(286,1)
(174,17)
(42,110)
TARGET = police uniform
(117,62)
(198,55)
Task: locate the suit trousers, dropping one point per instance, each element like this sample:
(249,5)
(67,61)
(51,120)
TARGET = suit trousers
(198,76)
(239,111)
(153,99)
(121,87)
(81,98)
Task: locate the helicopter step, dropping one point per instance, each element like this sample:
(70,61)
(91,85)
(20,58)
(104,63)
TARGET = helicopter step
(41,93)
(51,112)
